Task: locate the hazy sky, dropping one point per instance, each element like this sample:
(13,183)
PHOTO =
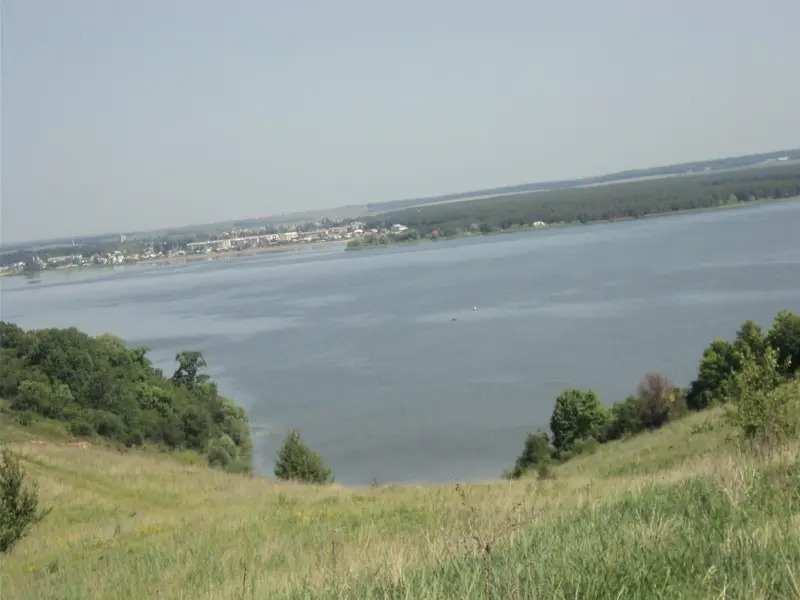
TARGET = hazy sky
(121,115)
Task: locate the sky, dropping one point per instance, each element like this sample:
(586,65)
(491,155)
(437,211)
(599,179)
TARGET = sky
(122,116)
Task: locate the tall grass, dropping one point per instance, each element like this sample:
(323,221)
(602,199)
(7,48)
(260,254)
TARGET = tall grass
(675,513)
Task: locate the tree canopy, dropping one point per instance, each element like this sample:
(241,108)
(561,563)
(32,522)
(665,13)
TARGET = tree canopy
(99,386)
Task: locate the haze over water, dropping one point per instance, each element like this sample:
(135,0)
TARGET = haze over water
(359,350)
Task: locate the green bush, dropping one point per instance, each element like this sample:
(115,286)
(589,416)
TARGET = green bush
(716,368)
(26,418)
(297,462)
(577,415)
(784,336)
(721,361)
(624,419)
(222,452)
(535,453)
(585,446)
(32,396)
(765,408)
(19,504)
(81,428)
(108,425)
(657,399)
(218,457)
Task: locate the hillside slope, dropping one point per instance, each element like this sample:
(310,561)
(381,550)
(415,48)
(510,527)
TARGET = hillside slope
(674,513)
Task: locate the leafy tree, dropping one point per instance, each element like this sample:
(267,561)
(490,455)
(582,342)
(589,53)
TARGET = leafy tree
(750,338)
(784,336)
(656,400)
(624,419)
(33,396)
(577,415)
(189,366)
(19,504)
(764,409)
(715,371)
(297,462)
(536,452)
(222,452)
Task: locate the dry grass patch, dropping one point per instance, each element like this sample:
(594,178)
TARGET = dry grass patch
(136,525)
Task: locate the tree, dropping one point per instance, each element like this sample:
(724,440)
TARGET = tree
(535,453)
(190,364)
(764,409)
(656,400)
(784,336)
(751,338)
(576,415)
(297,462)
(624,418)
(19,505)
(716,368)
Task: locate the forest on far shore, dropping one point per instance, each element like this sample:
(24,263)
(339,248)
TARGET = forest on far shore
(600,203)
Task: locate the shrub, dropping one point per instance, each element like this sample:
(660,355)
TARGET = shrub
(19,504)
(297,462)
(784,336)
(222,452)
(134,438)
(765,409)
(81,428)
(108,425)
(544,470)
(624,420)
(716,368)
(33,396)
(27,418)
(535,453)
(585,446)
(656,399)
(576,415)
(218,457)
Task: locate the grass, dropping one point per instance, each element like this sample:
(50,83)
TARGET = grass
(678,513)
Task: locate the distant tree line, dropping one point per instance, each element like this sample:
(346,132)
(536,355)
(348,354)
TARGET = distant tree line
(384,239)
(601,203)
(736,162)
(100,387)
(757,373)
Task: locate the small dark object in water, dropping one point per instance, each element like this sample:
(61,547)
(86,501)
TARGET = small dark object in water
(453,319)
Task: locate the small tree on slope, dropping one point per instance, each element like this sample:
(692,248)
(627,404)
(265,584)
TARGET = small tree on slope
(19,506)
(297,462)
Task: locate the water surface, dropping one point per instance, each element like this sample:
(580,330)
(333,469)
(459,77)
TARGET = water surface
(359,350)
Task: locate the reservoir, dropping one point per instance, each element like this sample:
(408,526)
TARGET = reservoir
(360,352)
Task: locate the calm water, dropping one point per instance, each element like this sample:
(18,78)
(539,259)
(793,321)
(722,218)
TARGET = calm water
(358,350)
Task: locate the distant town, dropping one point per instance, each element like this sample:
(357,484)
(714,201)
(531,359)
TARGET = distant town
(130,250)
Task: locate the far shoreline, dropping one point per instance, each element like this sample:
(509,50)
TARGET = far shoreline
(248,252)
(572,224)
(185,259)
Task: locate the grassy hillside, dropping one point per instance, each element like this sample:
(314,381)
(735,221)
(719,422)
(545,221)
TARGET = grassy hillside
(677,513)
